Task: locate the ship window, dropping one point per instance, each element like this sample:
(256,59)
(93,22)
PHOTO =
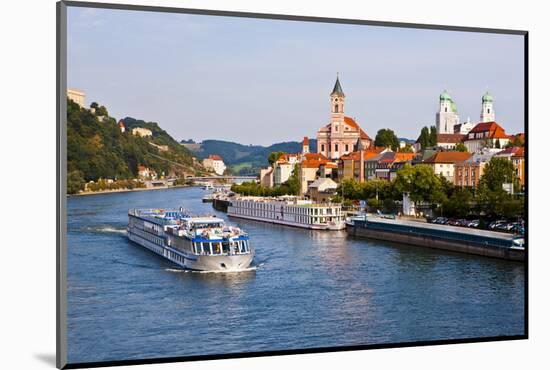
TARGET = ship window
(225,247)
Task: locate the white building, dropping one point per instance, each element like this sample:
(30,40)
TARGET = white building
(487,111)
(486,135)
(214,162)
(464,128)
(447,117)
(283,167)
(79,97)
(140,131)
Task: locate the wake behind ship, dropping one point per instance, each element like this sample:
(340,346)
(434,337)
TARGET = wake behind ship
(199,243)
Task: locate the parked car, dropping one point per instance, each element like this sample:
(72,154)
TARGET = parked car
(494,224)
(441,220)
(473,223)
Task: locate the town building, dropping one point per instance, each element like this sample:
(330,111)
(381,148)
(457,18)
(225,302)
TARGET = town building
(322,190)
(340,136)
(463,128)
(447,117)
(486,135)
(487,111)
(349,165)
(517,156)
(79,97)
(309,169)
(449,141)
(142,132)
(468,172)
(283,167)
(214,163)
(144,173)
(388,164)
(443,163)
(266,177)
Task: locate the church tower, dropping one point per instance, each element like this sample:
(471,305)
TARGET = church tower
(487,112)
(337,99)
(447,117)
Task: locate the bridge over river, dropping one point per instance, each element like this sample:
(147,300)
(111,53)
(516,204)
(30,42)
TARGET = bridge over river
(201,180)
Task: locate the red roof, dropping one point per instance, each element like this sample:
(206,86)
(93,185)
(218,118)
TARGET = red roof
(350,121)
(494,129)
(315,156)
(306,141)
(215,157)
(516,151)
(448,157)
(367,154)
(450,138)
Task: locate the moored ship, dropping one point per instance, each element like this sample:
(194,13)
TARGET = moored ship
(194,242)
(290,212)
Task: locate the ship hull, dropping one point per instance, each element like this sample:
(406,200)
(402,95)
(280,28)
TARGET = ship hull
(336,226)
(227,263)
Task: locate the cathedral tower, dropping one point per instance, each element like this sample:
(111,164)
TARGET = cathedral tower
(447,117)
(487,112)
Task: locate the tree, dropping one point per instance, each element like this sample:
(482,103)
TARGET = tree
(459,203)
(293,182)
(516,141)
(273,157)
(424,138)
(407,149)
(75,182)
(420,182)
(386,138)
(94,105)
(497,172)
(433,136)
(460,147)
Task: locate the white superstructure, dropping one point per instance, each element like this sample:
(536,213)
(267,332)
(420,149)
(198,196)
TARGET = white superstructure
(299,213)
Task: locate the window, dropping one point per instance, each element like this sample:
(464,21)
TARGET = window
(347,148)
(445,109)
(335,147)
(322,147)
(336,108)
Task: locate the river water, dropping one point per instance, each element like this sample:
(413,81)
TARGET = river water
(311,289)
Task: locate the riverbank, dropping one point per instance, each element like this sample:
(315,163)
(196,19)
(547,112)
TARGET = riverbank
(450,238)
(84,193)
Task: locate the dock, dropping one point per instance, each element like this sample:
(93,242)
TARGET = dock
(452,238)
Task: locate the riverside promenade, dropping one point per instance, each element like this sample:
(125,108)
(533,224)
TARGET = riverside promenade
(451,238)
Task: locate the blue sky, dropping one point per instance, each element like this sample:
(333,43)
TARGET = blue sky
(257,81)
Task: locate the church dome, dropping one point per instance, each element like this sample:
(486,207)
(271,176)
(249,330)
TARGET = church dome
(487,98)
(445,96)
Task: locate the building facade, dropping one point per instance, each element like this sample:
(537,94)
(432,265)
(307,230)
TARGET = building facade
(468,172)
(340,136)
(486,135)
(79,97)
(443,163)
(215,163)
(143,132)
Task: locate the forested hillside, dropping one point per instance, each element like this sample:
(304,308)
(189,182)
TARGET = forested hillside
(96,148)
(245,159)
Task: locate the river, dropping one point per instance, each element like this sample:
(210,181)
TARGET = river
(311,289)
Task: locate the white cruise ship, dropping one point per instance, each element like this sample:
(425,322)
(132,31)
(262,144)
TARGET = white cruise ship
(199,243)
(298,213)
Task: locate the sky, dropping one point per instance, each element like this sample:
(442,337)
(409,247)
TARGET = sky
(258,81)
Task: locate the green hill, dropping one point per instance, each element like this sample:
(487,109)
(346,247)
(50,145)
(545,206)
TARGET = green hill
(244,159)
(96,148)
